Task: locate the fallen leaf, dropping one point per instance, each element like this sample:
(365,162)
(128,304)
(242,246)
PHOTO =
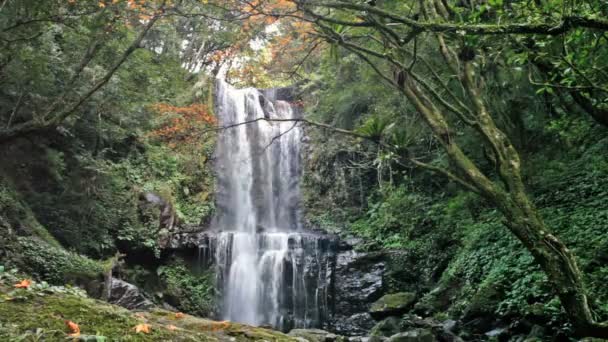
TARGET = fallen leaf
(179,315)
(171,327)
(74,328)
(145,328)
(24,284)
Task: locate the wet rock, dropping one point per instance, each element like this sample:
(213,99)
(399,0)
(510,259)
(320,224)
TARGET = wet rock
(392,305)
(499,334)
(374,339)
(449,325)
(358,279)
(415,335)
(128,296)
(387,327)
(359,323)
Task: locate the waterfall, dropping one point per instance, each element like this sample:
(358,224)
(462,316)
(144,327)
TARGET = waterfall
(270,270)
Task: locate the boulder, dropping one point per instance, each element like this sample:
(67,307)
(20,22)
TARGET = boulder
(387,327)
(315,335)
(392,305)
(415,335)
(128,296)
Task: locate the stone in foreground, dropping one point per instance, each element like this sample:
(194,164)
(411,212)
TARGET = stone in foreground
(395,304)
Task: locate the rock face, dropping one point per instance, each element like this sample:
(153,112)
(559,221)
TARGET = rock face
(128,296)
(358,282)
(395,304)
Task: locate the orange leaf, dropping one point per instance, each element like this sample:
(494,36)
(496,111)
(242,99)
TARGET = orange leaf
(24,284)
(74,328)
(145,328)
(171,327)
(179,315)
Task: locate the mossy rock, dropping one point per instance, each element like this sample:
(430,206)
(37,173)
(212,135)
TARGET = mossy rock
(311,335)
(392,305)
(415,335)
(42,316)
(387,327)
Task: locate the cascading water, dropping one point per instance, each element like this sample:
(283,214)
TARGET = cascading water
(270,270)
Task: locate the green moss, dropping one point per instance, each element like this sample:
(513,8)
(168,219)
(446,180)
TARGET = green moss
(30,311)
(395,301)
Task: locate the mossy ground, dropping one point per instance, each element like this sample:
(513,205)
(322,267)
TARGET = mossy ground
(36,315)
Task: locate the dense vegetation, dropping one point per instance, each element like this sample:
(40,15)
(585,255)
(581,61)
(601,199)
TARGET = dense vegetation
(471,135)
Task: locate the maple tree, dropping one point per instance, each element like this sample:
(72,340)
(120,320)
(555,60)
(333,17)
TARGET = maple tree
(181,124)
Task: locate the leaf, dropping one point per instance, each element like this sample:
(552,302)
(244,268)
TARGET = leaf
(24,284)
(144,328)
(74,328)
(179,315)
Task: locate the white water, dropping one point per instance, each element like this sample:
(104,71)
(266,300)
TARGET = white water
(267,266)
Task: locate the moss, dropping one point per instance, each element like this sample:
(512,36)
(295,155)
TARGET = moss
(393,304)
(36,310)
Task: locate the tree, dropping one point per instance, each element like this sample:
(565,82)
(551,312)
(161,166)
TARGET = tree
(398,41)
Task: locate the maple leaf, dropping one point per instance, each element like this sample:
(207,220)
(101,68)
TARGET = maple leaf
(24,284)
(74,328)
(145,328)
(179,315)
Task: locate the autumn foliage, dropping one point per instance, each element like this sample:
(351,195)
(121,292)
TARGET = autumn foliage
(181,124)
(24,284)
(73,328)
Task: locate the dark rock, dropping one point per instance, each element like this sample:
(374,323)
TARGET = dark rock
(359,323)
(128,296)
(358,282)
(409,322)
(499,334)
(374,339)
(415,335)
(387,327)
(392,305)
(449,325)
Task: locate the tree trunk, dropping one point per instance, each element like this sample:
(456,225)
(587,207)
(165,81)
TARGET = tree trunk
(555,260)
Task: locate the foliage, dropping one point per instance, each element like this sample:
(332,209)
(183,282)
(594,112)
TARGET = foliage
(53,264)
(190,292)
